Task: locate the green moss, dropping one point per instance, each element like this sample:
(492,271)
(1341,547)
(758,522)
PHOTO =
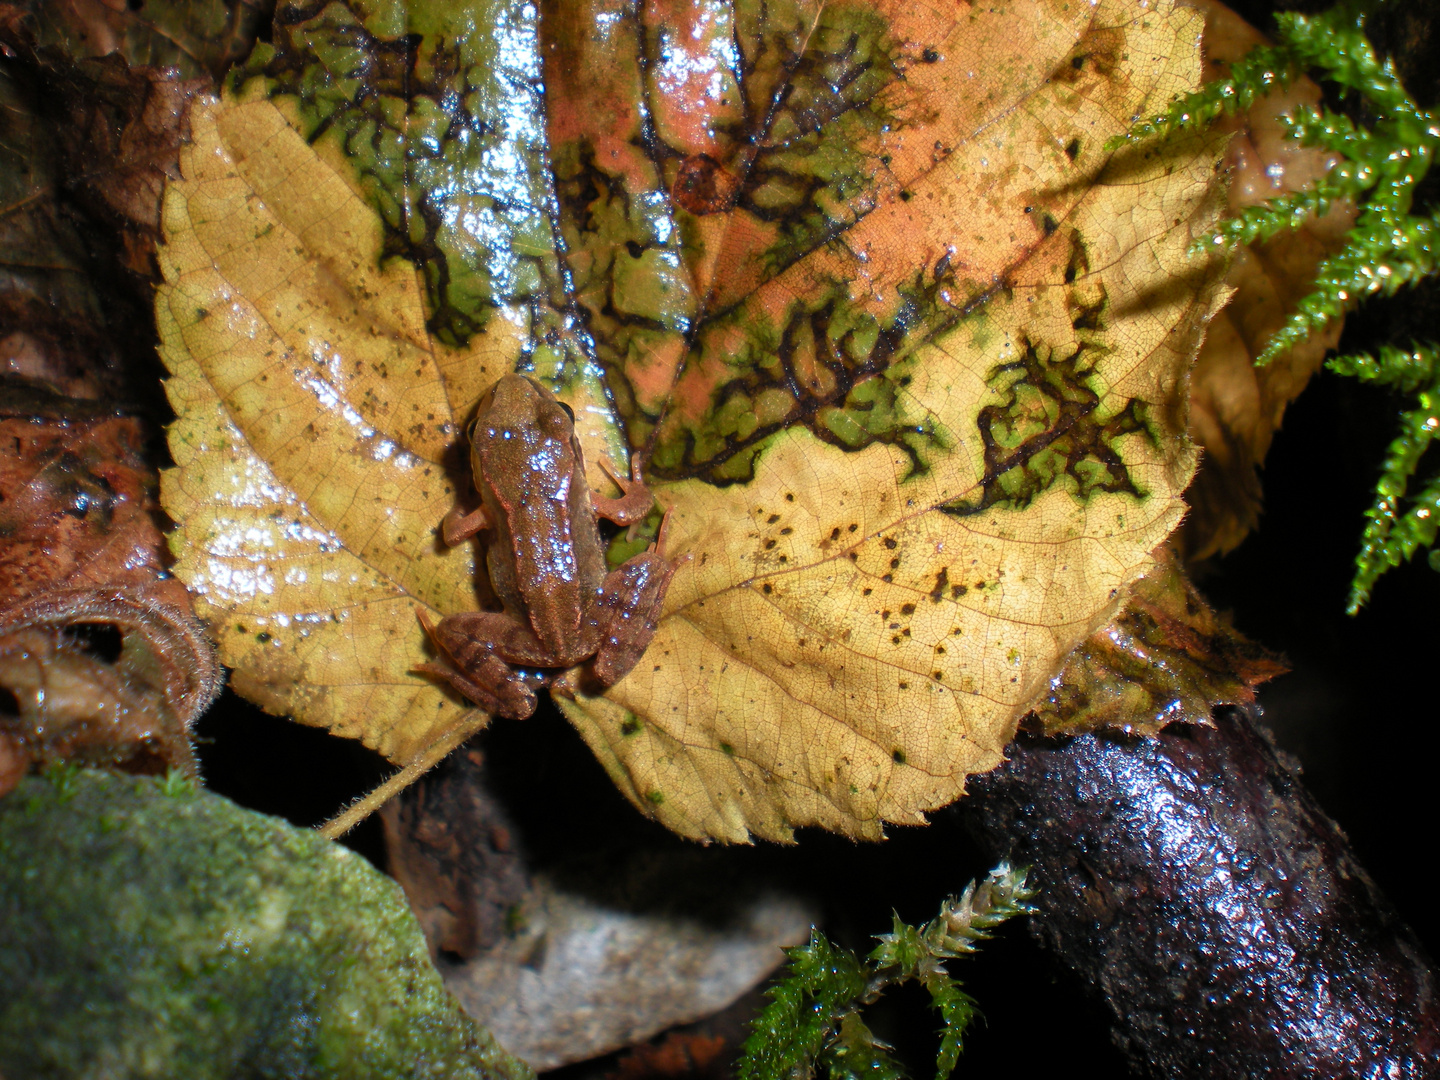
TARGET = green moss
(169,933)
(1380,165)
(812,1021)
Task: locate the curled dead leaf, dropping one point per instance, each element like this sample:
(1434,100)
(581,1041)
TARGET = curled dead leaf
(101,658)
(1167,658)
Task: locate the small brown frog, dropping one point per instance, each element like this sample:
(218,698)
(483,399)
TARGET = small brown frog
(546,559)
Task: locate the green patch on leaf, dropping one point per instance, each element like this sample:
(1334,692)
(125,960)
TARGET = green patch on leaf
(439,109)
(1049,428)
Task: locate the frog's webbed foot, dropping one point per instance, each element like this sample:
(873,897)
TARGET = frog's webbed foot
(472,668)
(635,499)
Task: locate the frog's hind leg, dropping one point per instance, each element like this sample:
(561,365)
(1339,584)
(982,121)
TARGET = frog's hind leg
(630,608)
(472,667)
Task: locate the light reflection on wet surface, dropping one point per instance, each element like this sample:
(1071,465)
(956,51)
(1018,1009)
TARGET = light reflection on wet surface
(1250,908)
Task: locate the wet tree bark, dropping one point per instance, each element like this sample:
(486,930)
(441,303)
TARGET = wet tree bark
(1193,883)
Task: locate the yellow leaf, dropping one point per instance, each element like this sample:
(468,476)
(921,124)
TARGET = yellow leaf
(888,561)
(314,419)
(854,636)
(860,630)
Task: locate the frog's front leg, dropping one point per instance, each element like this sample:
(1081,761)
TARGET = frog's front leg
(630,603)
(458,526)
(477,649)
(635,499)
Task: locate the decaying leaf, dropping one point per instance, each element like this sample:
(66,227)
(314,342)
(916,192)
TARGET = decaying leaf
(196,37)
(679,1054)
(903,347)
(112,126)
(1235,407)
(582,953)
(124,130)
(57,325)
(101,658)
(1167,658)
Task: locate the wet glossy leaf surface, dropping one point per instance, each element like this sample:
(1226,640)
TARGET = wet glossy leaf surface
(309,526)
(899,345)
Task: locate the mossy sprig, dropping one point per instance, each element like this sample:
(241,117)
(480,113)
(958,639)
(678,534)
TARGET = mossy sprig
(813,1019)
(1397,526)
(1379,166)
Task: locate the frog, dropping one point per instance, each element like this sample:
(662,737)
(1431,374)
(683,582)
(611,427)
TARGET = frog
(561,607)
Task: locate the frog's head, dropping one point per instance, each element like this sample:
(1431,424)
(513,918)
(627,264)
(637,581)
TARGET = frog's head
(518,406)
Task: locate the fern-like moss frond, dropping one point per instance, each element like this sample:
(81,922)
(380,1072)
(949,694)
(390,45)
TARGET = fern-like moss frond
(813,1017)
(1395,529)
(821,984)
(1252,77)
(1389,247)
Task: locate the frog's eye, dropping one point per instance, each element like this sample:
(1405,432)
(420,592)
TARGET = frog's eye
(568,411)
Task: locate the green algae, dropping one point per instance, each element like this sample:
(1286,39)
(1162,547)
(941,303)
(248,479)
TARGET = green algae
(154,930)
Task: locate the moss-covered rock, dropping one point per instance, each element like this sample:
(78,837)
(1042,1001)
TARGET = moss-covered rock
(148,929)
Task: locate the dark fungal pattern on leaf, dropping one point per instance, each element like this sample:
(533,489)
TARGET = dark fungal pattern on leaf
(1050,429)
(839,381)
(415,114)
(738,251)
(708,229)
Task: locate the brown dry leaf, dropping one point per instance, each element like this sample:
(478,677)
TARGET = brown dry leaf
(890,559)
(1167,658)
(124,129)
(1235,407)
(193,37)
(101,658)
(679,1054)
(85,148)
(587,944)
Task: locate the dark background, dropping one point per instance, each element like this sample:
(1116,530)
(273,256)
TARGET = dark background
(1358,711)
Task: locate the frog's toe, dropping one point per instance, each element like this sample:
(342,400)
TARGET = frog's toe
(509,698)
